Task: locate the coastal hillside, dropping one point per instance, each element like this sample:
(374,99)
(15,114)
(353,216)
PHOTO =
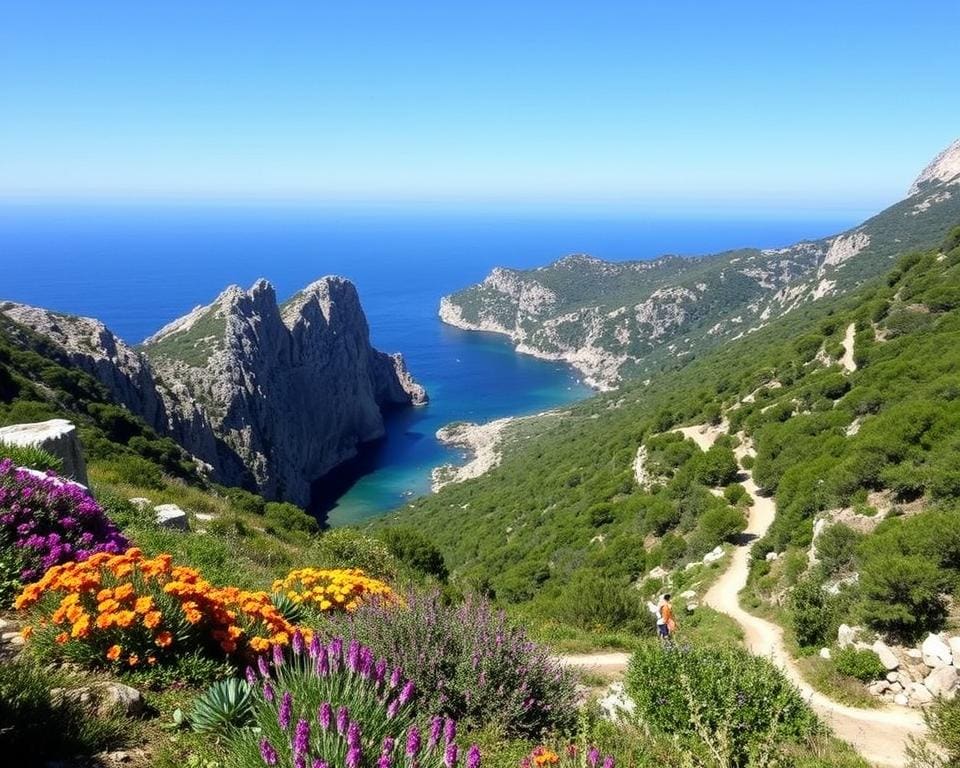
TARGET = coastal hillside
(621,320)
(236,383)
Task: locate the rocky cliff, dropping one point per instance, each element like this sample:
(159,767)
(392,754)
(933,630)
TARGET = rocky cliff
(270,396)
(612,320)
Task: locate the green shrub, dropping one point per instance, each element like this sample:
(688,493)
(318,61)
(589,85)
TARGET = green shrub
(594,603)
(836,547)
(747,462)
(861,663)
(903,594)
(810,613)
(739,706)
(245,502)
(30,456)
(718,466)
(346,548)
(283,516)
(410,546)
(943,723)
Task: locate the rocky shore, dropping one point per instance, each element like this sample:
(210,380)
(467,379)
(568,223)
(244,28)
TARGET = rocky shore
(481,441)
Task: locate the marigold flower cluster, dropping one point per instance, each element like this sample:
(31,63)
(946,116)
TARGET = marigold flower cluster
(45,520)
(337,589)
(569,757)
(129,609)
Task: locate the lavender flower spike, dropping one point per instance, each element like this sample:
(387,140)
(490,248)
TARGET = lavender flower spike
(286,709)
(318,763)
(301,738)
(297,642)
(353,757)
(473,757)
(413,741)
(436,730)
(268,753)
(250,675)
(314,645)
(277,655)
(593,757)
(262,667)
(343,720)
(325,715)
(449,731)
(407,693)
(392,708)
(608,761)
(450,755)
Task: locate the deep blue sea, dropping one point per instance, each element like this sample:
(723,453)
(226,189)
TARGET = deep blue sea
(138,267)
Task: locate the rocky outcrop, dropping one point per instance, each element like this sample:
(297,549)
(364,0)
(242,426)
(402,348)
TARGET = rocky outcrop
(268,396)
(613,320)
(57,437)
(292,390)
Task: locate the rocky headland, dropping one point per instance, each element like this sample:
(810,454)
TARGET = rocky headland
(269,396)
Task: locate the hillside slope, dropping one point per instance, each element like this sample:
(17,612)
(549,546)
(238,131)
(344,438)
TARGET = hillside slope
(615,320)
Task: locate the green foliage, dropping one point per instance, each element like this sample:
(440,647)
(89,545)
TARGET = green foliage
(836,547)
(810,613)
(285,517)
(861,663)
(291,610)
(739,705)
(30,456)
(597,604)
(903,594)
(35,728)
(717,467)
(225,705)
(411,547)
(346,548)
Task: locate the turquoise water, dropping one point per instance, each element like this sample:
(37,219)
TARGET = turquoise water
(136,268)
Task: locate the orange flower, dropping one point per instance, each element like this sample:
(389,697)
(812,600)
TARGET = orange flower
(124,590)
(143,604)
(133,660)
(163,639)
(74,612)
(152,619)
(62,638)
(151,660)
(125,618)
(26,632)
(113,652)
(81,627)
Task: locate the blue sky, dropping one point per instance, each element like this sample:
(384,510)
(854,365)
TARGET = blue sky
(620,104)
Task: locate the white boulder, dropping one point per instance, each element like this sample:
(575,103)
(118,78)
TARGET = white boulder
(617,704)
(658,573)
(887,657)
(688,595)
(713,555)
(846,635)
(954,643)
(935,652)
(56,436)
(140,502)
(771,556)
(825,654)
(919,694)
(901,699)
(943,681)
(171,516)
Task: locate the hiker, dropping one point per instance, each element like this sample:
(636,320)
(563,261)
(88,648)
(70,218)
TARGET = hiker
(666,624)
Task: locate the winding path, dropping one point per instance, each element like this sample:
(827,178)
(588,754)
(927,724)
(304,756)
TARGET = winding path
(847,361)
(879,735)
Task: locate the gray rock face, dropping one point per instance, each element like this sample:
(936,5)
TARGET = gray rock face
(269,396)
(171,516)
(57,437)
(291,390)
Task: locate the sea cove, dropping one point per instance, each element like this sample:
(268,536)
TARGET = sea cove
(138,267)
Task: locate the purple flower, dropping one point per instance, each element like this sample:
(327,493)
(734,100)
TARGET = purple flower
(608,761)
(593,757)
(268,753)
(392,708)
(407,693)
(413,741)
(315,645)
(450,755)
(268,691)
(353,733)
(353,656)
(299,761)
(380,671)
(301,738)
(449,731)
(385,760)
(286,709)
(353,756)
(297,643)
(250,675)
(436,729)
(318,763)
(473,757)
(262,666)
(325,715)
(277,656)
(343,720)
(321,666)
(395,677)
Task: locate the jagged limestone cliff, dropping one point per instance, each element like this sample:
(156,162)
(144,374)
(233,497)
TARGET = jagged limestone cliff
(612,320)
(269,396)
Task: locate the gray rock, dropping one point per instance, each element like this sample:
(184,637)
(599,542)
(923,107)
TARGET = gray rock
(771,556)
(893,677)
(658,573)
(140,502)
(692,606)
(688,594)
(954,643)
(846,635)
(895,688)
(56,436)
(919,694)
(616,705)
(203,517)
(825,654)
(879,687)
(943,681)
(713,555)
(112,696)
(935,652)
(887,657)
(901,700)
(171,516)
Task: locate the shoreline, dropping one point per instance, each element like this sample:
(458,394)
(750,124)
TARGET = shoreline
(481,441)
(451,315)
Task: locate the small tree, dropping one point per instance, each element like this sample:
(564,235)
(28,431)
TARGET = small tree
(903,594)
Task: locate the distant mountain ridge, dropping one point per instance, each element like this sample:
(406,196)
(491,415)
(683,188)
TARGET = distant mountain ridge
(269,396)
(630,319)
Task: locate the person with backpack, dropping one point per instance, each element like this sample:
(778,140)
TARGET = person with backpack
(666,623)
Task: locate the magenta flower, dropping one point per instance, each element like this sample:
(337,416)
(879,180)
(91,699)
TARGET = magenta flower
(449,731)
(301,738)
(450,755)
(593,757)
(297,643)
(436,730)
(268,753)
(286,709)
(608,761)
(325,715)
(473,757)
(413,741)
(343,720)
(407,693)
